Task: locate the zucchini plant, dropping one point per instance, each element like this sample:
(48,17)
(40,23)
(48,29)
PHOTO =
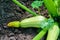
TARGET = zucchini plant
(38,21)
(37,4)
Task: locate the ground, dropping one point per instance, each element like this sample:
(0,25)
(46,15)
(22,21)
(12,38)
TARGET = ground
(11,12)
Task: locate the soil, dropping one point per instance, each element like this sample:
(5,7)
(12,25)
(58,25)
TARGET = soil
(11,12)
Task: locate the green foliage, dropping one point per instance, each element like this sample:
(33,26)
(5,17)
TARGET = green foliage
(59,3)
(37,4)
(47,24)
(59,7)
(51,7)
(56,2)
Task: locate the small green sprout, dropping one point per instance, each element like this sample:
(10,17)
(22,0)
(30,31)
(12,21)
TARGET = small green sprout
(37,4)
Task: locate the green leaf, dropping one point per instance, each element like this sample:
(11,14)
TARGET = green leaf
(59,7)
(37,4)
(56,2)
(59,3)
(51,7)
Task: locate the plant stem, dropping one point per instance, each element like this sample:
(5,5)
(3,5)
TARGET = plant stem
(40,35)
(59,7)
(24,7)
(39,10)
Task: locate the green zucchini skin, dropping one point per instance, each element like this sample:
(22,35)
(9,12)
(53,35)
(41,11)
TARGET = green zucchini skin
(53,32)
(37,22)
(29,22)
(32,22)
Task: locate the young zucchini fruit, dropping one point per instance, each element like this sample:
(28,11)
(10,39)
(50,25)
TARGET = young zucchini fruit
(37,21)
(53,32)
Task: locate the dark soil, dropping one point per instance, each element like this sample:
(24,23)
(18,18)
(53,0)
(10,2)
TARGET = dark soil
(11,12)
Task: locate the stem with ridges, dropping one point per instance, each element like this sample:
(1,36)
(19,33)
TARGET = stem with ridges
(24,7)
(40,35)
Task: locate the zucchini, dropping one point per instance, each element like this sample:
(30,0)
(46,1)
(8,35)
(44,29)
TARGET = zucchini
(33,22)
(53,32)
(37,22)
